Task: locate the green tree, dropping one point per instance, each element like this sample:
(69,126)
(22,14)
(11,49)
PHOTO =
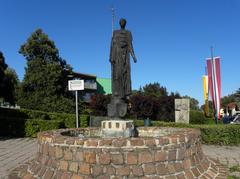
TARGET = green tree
(44,86)
(194,104)
(11,86)
(3,67)
(155,90)
(227,99)
(237,96)
(8,82)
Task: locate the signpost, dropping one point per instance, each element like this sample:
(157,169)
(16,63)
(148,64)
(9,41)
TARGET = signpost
(76,85)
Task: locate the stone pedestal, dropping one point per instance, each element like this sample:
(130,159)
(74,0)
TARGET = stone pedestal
(117,128)
(117,108)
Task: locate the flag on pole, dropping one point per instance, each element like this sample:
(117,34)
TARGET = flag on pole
(205,93)
(214,83)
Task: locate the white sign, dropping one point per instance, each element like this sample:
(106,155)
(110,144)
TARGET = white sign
(75,85)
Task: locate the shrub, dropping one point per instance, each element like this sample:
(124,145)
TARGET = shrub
(84,120)
(198,117)
(144,106)
(25,122)
(220,134)
(99,103)
(161,107)
(13,113)
(33,126)
(12,127)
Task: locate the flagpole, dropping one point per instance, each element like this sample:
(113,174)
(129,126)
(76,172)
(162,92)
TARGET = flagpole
(214,87)
(113,18)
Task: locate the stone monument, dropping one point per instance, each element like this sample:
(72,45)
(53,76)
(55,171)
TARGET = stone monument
(121,49)
(182,107)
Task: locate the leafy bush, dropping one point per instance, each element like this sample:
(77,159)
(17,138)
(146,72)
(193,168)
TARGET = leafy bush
(13,113)
(12,126)
(144,106)
(161,107)
(33,126)
(198,117)
(99,103)
(220,134)
(25,122)
(84,121)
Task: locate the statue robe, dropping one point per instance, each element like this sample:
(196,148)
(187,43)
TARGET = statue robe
(121,48)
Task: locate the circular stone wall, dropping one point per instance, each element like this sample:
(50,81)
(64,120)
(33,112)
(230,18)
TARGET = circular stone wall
(156,153)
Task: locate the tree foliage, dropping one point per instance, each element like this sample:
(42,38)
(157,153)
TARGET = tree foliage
(99,104)
(44,86)
(194,104)
(3,67)
(8,82)
(155,90)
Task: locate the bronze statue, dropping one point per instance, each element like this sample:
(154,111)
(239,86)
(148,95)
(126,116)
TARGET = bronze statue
(121,48)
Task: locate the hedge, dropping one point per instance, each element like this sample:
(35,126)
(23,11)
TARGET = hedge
(17,123)
(24,122)
(221,134)
(33,126)
(198,117)
(34,114)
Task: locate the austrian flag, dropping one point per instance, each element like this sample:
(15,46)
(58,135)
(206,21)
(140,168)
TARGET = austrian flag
(214,83)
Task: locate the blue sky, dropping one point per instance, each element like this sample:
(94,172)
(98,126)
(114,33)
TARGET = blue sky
(171,38)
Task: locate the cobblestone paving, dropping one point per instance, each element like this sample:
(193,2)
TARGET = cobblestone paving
(228,155)
(14,152)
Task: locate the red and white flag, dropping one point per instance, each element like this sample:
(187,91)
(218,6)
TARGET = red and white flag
(214,83)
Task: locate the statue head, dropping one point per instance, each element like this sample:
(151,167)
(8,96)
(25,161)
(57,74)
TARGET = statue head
(122,23)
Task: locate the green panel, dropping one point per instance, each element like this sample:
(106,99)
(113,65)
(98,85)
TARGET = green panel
(104,86)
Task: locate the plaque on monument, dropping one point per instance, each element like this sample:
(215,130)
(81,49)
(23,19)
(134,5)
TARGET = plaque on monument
(182,107)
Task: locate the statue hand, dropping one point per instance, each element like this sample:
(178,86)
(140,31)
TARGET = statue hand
(135,60)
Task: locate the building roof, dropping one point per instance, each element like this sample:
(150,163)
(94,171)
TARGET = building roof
(84,76)
(232,105)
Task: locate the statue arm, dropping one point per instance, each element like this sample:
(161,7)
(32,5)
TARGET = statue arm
(131,48)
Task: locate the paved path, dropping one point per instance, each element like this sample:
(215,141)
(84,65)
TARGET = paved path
(14,152)
(228,155)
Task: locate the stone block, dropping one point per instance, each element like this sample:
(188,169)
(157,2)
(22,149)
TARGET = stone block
(63,165)
(145,157)
(74,176)
(78,156)
(109,170)
(90,157)
(84,168)
(171,155)
(104,158)
(68,155)
(162,169)
(149,169)
(97,170)
(137,171)
(132,158)
(73,167)
(136,142)
(105,142)
(119,142)
(117,159)
(160,156)
(48,174)
(123,171)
